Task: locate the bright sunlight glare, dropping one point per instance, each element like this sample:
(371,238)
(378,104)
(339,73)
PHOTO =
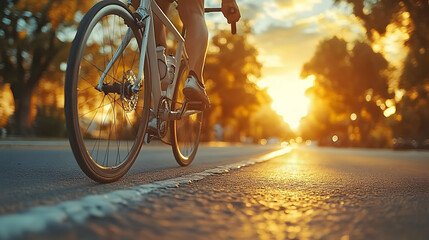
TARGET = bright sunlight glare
(288,96)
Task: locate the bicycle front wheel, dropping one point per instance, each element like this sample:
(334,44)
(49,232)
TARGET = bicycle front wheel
(185,133)
(105,126)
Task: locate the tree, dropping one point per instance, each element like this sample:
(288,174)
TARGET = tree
(349,88)
(33,35)
(413,17)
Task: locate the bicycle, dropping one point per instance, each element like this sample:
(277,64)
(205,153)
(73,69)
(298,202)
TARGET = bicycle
(107,106)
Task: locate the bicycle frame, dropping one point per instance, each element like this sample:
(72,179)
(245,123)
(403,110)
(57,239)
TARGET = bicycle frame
(147,10)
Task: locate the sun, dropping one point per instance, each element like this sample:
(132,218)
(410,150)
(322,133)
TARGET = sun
(288,94)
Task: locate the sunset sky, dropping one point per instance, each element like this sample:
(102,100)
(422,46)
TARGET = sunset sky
(286,33)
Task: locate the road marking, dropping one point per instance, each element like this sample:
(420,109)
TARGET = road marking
(38,219)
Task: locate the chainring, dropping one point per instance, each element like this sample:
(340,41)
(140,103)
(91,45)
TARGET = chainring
(163,110)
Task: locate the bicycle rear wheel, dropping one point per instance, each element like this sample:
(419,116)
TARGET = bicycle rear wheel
(106,127)
(185,133)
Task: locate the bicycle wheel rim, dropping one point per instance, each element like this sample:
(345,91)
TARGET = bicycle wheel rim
(185,133)
(105,129)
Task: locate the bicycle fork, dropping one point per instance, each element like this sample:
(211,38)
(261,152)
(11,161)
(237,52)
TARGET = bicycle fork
(144,23)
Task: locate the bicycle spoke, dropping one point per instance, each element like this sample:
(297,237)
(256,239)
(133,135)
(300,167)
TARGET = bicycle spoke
(95,114)
(106,156)
(101,71)
(116,131)
(88,100)
(80,116)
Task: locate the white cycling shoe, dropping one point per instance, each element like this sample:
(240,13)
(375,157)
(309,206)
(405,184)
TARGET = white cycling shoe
(194,90)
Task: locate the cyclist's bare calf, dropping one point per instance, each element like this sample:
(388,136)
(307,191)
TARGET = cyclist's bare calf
(192,14)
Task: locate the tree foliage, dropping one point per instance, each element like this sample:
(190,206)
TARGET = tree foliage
(33,35)
(412,16)
(350,84)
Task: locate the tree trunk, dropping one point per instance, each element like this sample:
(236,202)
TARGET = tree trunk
(22,96)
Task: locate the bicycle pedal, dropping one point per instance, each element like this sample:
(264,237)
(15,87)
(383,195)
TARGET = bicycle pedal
(147,138)
(195,105)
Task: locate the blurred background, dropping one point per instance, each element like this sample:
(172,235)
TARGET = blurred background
(347,73)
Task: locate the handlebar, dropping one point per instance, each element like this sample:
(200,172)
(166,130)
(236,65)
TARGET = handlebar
(233,24)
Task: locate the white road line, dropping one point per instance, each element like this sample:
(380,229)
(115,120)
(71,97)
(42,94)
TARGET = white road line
(38,219)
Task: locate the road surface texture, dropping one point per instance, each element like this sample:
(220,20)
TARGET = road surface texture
(308,193)
(46,173)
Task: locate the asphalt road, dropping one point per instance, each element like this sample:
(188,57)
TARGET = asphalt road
(35,173)
(308,193)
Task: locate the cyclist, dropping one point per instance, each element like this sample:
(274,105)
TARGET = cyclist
(191,13)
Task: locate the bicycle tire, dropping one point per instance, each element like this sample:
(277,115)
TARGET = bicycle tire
(185,133)
(105,130)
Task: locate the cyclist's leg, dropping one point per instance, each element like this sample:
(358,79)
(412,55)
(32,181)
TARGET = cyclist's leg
(192,15)
(159,27)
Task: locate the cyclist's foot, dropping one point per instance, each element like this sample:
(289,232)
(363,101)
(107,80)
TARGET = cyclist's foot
(194,90)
